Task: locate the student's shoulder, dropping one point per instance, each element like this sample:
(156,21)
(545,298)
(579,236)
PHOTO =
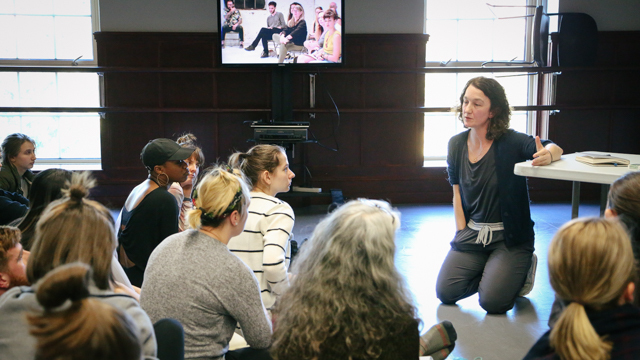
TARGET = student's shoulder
(160,195)
(18,297)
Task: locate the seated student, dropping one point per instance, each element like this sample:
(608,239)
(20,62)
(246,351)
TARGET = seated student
(232,22)
(18,157)
(592,270)
(47,186)
(13,259)
(332,48)
(347,299)
(87,328)
(333,6)
(194,278)
(624,204)
(316,28)
(182,190)
(72,229)
(315,43)
(294,35)
(264,245)
(275,23)
(150,213)
(13,205)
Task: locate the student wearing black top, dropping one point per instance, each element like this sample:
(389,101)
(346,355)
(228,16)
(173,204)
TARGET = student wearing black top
(293,37)
(150,213)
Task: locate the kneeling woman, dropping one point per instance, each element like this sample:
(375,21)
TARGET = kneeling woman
(592,270)
(194,278)
(492,252)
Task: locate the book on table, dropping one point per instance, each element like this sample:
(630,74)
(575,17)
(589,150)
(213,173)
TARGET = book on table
(597,159)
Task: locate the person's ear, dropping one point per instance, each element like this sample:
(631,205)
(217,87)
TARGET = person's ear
(5,281)
(266,177)
(234,218)
(610,213)
(629,292)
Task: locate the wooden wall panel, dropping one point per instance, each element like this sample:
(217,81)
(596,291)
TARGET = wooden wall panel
(380,133)
(199,88)
(390,128)
(343,134)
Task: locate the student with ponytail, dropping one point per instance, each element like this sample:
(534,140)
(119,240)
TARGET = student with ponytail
(592,270)
(264,245)
(71,229)
(87,328)
(194,278)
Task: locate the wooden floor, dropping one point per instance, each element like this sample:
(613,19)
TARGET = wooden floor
(422,244)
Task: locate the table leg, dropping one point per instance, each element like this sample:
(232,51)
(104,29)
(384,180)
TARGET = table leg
(604,192)
(575,199)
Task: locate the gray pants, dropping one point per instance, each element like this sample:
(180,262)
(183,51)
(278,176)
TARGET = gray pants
(495,272)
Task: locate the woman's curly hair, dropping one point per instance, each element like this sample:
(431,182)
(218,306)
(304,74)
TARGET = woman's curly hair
(499,123)
(347,298)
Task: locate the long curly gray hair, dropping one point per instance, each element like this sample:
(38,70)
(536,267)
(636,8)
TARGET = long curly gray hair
(347,295)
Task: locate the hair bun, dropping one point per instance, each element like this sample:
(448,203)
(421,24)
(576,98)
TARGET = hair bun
(66,282)
(187,139)
(81,183)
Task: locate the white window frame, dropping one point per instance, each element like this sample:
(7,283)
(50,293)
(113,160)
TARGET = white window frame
(437,161)
(68,163)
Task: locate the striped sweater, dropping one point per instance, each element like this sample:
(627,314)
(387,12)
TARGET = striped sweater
(264,245)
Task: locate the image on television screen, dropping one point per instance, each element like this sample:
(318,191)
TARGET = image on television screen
(287,33)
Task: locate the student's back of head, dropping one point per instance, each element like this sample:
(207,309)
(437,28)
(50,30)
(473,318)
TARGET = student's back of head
(47,186)
(347,298)
(72,229)
(624,202)
(84,329)
(591,266)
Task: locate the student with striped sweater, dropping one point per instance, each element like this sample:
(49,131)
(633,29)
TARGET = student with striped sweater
(264,245)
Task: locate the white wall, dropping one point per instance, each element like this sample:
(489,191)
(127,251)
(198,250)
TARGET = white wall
(361,16)
(610,15)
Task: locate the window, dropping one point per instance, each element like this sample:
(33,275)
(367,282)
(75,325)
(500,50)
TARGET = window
(51,33)
(250,4)
(466,33)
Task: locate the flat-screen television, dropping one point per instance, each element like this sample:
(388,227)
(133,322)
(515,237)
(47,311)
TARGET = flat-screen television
(289,33)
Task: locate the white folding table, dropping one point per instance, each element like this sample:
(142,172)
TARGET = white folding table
(567,168)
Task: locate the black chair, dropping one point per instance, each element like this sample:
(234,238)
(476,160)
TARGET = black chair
(577,39)
(170,339)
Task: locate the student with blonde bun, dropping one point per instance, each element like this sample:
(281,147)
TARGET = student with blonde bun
(265,243)
(87,328)
(72,229)
(593,272)
(194,278)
